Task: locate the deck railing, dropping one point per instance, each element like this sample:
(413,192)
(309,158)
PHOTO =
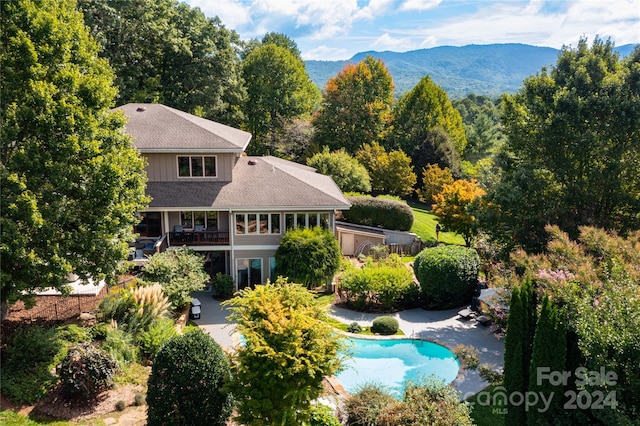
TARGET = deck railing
(199,238)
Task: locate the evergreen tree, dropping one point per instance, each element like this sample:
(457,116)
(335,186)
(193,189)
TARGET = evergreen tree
(514,358)
(549,352)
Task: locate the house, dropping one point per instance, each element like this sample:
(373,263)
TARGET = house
(208,195)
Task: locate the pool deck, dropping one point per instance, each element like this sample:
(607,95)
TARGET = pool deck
(444,327)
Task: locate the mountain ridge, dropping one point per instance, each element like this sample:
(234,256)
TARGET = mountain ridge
(481,69)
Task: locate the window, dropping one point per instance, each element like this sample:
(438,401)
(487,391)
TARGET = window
(200,219)
(197,166)
(248,272)
(257,223)
(304,220)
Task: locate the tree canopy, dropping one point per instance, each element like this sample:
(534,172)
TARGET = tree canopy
(391,172)
(424,108)
(71,179)
(356,106)
(278,90)
(288,349)
(167,52)
(451,206)
(573,148)
(346,171)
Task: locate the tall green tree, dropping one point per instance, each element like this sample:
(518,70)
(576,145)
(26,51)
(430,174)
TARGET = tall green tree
(574,129)
(310,256)
(288,350)
(391,172)
(71,179)
(167,52)
(278,91)
(346,171)
(425,108)
(514,363)
(356,106)
(549,352)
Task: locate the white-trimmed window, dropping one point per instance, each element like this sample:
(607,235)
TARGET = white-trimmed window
(306,220)
(257,223)
(197,166)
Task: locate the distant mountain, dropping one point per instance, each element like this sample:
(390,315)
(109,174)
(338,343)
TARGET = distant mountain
(489,70)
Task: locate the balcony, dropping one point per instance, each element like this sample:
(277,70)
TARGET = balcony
(199,238)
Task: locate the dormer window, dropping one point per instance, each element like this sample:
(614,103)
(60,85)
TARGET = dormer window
(197,166)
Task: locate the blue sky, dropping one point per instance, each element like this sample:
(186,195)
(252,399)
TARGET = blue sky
(338,29)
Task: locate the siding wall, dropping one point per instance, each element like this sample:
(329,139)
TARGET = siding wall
(164,167)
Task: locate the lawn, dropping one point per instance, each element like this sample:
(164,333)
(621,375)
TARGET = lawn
(424,225)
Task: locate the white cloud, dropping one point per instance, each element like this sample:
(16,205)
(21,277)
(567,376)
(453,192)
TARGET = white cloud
(374,9)
(430,41)
(386,42)
(325,53)
(419,4)
(232,13)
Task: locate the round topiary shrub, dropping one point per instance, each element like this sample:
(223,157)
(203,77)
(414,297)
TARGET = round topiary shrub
(385,325)
(194,364)
(354,328)
(138,399)
(121,405)
(86,371)
(448,276)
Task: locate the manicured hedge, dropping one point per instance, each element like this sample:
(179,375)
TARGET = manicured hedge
(448,275)
(379,212)
(380,287)
(385,325)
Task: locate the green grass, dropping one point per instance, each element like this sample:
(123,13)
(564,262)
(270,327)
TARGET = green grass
(10,418)
(424,225)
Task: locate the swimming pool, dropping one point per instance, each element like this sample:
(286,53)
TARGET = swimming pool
(391,363)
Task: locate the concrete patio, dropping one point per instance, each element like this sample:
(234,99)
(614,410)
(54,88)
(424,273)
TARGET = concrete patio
(443,327)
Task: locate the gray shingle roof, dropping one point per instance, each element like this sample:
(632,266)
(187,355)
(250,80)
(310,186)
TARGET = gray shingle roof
(159,128)
(269,183)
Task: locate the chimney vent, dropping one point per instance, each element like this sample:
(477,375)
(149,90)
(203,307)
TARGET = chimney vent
(141,109)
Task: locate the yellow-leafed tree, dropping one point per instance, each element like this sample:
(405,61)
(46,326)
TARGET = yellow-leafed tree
(451,207)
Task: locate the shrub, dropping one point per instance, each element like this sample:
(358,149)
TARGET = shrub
(467,355)
(180,272)
(30,356)
(364,407)
(74,334)
(428,403)
(196,365)
(120,345)
(99,330)
(354,328)
(379,286)
(322,415)
(309,256)
(385,325)
(379,212)
(159,332)
(121,405)
(223,285)
(117,307)
(448,276)
(138,399)
(87,371)
(489,374)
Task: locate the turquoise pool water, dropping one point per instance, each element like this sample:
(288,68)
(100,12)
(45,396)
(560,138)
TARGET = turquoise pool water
(391,363)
